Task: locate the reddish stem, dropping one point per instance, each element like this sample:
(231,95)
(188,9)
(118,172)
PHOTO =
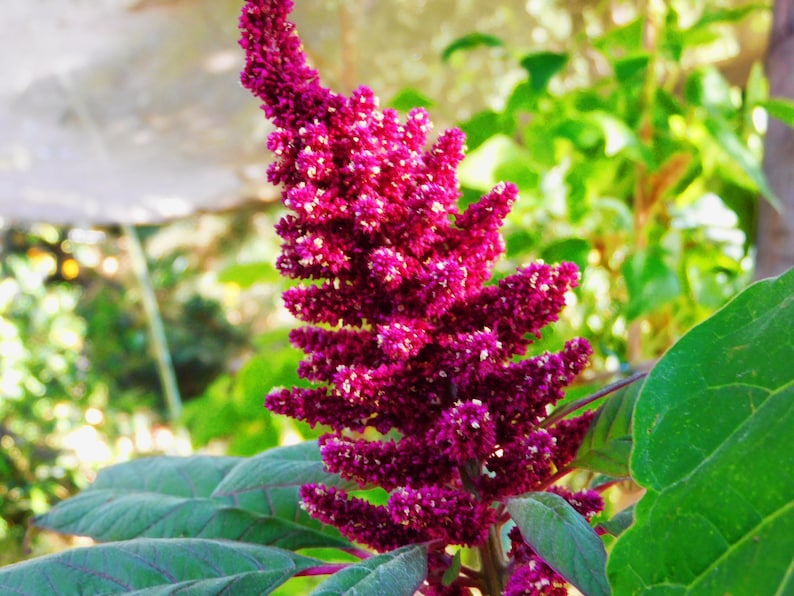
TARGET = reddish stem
(357,552)
(602,487)
(552,479)
(562,412)
(328,569)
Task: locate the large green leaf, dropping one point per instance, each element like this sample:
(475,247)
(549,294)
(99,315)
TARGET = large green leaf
(268,483)
(563,539)
(251,583)
(607,445)
(254,499)
(397,573)
(110,515)
(714,447)
(156,564)
(194,476)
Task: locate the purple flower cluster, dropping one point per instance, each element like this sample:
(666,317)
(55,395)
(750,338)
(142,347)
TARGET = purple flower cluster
(415,359)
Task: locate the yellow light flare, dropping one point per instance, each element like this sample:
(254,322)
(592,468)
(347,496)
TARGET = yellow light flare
(70,269)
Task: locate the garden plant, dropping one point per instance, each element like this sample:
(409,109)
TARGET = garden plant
(449,460)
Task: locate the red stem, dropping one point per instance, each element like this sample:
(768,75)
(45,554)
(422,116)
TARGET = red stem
(357,552)
(328,569)
(552,479)
(562,412)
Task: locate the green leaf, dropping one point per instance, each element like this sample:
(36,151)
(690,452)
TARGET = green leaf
(619,523)
(708,88)
(481,127)
(500,155)
(397,573)
(583,133)
(625,39)
(575,250)
(158,497)
(615,211)
(194,476)
(563,539)
(650,282)
(247,274)
(470,41)
(523,98)
(713,446)
(676,41)
(120,568)
(268,483)
(409,98)
(744,203)
(607,445)
(453,571)
(111,515)
(252,582)
(578,203)
(730,143)
(542,66)
(618,137)
(728,15)
(631,67)
(519,242)
(756,88)
(780,108)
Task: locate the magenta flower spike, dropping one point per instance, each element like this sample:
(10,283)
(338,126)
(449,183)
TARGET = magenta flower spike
(415,356)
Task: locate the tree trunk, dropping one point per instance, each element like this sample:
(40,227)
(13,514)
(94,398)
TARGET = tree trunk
(775,231)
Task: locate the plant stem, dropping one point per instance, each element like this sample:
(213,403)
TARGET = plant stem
(569,408)
(492,565)
(159,343)
(551,480)
(327,569)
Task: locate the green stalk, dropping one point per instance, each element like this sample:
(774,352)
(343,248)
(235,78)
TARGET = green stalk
(492,564)
(491,556)
(159,343)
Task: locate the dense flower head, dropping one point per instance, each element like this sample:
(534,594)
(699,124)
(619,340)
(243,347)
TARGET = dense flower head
(466,432)
(535,578)
(415,355)
(358,519)
(448,514)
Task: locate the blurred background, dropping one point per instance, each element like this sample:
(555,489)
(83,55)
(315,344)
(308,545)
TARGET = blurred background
(139,306)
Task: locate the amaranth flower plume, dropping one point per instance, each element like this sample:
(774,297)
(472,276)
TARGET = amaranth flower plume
(406,344)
